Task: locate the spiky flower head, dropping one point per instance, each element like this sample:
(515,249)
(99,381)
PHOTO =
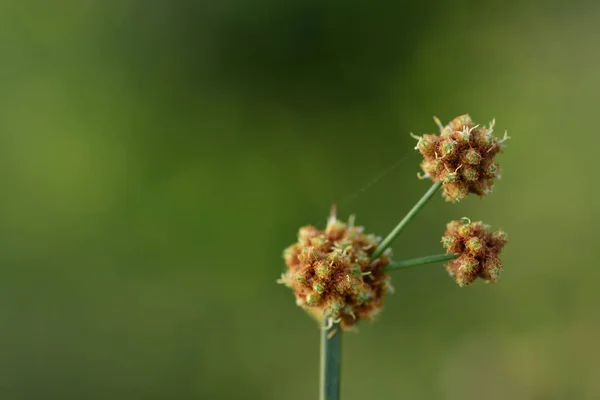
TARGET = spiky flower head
(462,157)
(332,275)
(478,250)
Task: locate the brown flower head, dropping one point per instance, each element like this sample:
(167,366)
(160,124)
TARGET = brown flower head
(461,157)
(332,275)
(477,248)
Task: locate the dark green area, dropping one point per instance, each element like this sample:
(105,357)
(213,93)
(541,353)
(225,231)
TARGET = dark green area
(156,157)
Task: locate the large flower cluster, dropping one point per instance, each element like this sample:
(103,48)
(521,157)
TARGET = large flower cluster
(332,275)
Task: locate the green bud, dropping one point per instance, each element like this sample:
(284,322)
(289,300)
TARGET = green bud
(311,299)
(447,147)
(465,230)
(492,168)
(318,287)
(335,306)
(300,277)
(474,245)
(469,173)
(500,236)
(472,157)
(363,296)
(318,241)
(448,242)
(450,177)
(468,265)
(323,270)
(446,132)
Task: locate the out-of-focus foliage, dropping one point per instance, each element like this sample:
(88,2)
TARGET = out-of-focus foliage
(157,156)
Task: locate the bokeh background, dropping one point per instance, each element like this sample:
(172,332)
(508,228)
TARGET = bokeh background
(157,156)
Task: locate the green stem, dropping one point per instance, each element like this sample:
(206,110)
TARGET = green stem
(331,354)
(420,261)
(411,214)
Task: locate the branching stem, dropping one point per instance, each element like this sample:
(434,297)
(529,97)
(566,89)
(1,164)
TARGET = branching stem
(419,261)
(411,214)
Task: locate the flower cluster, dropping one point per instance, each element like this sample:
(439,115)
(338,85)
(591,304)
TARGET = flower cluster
(478,250)
(332,274)
(461,157)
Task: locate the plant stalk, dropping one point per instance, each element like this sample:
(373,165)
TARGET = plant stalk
(331,354)
(411,214)
(420,261)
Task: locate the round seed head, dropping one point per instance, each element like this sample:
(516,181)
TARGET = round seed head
(467,150)
(477,249)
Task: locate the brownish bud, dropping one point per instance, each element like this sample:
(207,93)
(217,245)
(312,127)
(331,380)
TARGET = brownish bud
(462,157)
(478,251)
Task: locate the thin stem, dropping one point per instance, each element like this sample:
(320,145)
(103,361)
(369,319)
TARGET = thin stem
(331,354)
(411,214)
(420,261)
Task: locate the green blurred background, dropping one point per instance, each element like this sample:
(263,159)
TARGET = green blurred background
(157,156)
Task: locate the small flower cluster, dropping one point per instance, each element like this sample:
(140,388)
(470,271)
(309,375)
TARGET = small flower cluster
(332,274)
(461,157)
(477,248)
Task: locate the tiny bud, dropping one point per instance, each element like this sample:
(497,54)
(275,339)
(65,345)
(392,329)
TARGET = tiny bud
(306,233)
(447,147)
(300,277)
(426,144)
(446,132)
(493,267)
(500,237)
(484,138)
(363,296)
(492,168)
(335,306)
(311,299)
(461,121)
(455,191)
(318,241)
(448,241)
(323,270)
(464,135)
(433,167)
(449,177)
(471,157)
(474,245)
(308,255)
(318,287)
(470,173)
(468,264)
(335,230)
(465,229)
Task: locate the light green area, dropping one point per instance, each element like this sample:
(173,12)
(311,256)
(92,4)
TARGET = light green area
(156,157)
